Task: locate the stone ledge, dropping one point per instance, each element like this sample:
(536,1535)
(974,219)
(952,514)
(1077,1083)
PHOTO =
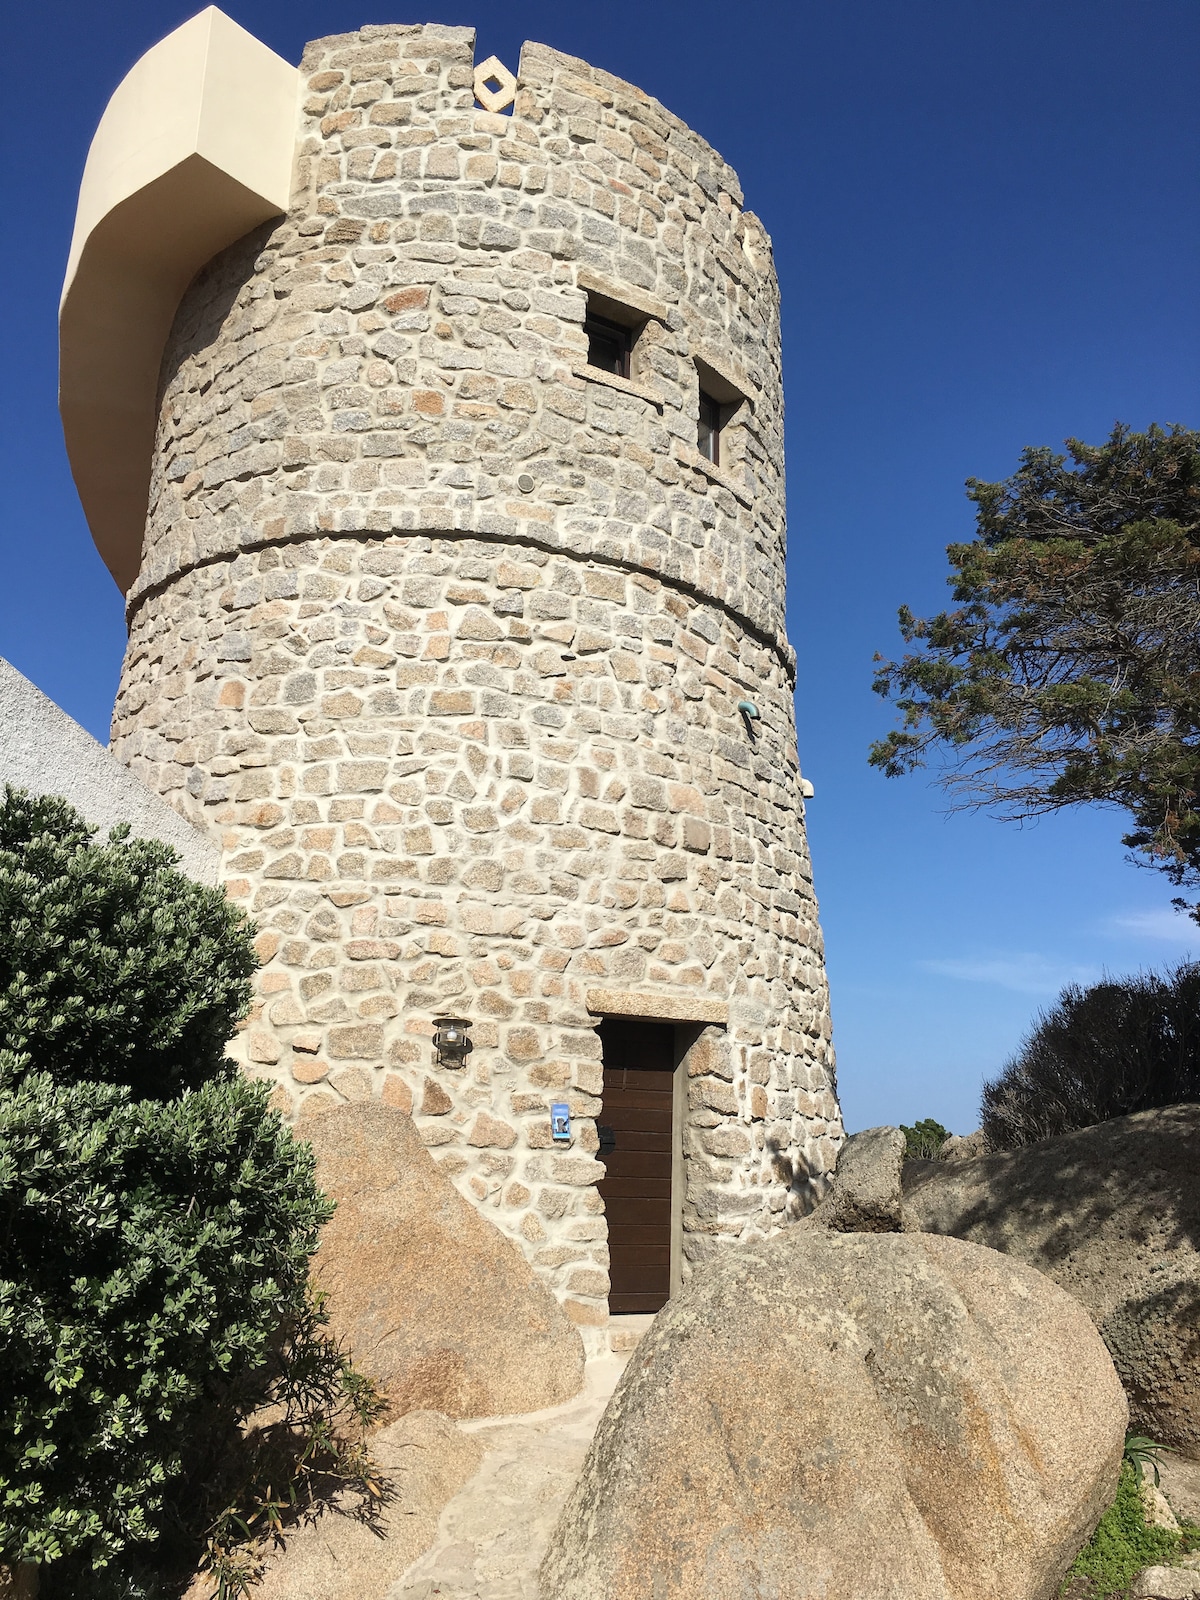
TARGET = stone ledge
(657,1007)
(609,380)
(535,536)
(724,480)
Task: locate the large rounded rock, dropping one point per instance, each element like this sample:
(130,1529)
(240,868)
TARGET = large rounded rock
(1112,1213)
(850,1417)
(432,1300)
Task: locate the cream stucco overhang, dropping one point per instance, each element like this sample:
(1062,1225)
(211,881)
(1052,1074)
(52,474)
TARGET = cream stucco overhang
(195,148)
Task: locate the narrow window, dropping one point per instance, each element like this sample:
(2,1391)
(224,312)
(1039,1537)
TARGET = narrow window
(722,410)
(608,345)
(708,431)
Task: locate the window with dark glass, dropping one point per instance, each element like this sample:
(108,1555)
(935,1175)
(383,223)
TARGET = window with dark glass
(609,345)
(708,432)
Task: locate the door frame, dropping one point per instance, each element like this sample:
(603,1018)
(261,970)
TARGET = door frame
(692,1017)
(679,1111)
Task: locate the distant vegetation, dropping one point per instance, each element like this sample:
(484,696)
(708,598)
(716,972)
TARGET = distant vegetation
(924,1140)
(1120,1046)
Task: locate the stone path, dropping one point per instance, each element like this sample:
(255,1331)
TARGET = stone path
(493,1533)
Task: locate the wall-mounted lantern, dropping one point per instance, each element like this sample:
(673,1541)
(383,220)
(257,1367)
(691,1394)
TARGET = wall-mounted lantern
(451,1041)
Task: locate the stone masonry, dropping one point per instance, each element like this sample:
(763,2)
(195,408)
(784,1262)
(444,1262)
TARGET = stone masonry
(443,633)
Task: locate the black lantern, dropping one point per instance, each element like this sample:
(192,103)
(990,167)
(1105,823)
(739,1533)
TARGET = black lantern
(450,1040)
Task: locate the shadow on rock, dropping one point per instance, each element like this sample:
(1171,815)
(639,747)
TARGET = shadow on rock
(1112,1214)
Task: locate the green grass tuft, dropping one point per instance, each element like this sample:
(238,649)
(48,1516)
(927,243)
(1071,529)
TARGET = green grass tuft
(1124,1543)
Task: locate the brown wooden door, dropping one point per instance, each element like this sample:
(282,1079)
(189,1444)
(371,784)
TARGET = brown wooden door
(636,1146)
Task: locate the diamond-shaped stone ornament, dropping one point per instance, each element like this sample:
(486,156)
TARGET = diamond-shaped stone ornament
(493,71)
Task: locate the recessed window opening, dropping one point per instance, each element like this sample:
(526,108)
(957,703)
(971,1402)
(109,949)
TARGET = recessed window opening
(708,429)
(613,330)
(609,345)
(722,407)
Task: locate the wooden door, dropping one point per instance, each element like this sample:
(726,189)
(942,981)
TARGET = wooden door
(635,1128)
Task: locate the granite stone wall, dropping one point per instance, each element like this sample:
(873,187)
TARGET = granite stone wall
(444,633)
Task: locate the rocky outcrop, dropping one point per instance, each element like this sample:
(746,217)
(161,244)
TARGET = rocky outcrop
(965,1146)
(848,1415)
(1180,1480)
(866,1193)
(433,1301)
(1112,1213)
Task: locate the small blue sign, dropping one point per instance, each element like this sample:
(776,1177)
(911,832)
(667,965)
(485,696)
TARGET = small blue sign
(560,1121)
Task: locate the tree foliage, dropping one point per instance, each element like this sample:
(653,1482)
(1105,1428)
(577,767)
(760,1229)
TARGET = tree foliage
(1106,1051)
(114,967)
(924,1140)
(1069,670)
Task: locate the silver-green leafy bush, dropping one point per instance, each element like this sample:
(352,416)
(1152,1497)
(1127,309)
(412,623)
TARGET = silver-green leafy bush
(114,967)
(168,1384)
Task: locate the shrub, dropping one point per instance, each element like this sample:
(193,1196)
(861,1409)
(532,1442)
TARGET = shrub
(168,1381)
(924,1140)
(1102,1052)
(151,1256)
(114,967)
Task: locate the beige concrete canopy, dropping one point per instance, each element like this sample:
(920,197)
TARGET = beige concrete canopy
(195,148)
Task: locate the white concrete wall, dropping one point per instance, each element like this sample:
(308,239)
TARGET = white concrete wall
(43,750)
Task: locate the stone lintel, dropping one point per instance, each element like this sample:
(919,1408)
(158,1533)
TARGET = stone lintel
(610,380)
(657,1007)
(724,381)
(625,294)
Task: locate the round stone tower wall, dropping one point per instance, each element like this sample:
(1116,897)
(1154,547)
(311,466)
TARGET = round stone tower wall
(449,637)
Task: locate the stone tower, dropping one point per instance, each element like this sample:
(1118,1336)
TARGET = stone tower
(456,615)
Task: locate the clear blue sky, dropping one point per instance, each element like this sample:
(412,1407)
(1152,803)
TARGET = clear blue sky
(986,224)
